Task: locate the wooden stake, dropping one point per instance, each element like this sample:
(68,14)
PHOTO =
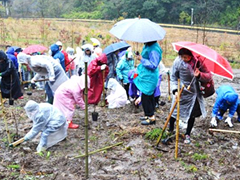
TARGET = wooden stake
(168,119)
(224,131)
(169,93)
(177,120)
(99,150)
(16,142)
(103,90)
(86,121)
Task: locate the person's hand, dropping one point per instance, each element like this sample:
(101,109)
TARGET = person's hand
(213,122)
(176,95)
(51,79)
(138,100)
(32,81)
(103,66)
(229,122)
(197,72)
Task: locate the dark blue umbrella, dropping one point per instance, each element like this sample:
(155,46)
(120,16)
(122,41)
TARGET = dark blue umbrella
(17,49)
(116,46)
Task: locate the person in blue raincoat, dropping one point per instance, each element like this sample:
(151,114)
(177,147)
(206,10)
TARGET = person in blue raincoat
(10,54)
(48,120)
(57,54)
(147,78)
(227,99)
(123,67)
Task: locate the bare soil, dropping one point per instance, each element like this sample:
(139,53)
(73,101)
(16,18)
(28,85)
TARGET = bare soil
(208,157)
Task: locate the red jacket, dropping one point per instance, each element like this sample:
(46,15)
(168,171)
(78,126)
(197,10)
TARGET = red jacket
(96,78)
(67,65)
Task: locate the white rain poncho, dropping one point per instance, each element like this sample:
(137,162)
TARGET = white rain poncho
(45,66)
(48,120)
(117,97)
(185,73)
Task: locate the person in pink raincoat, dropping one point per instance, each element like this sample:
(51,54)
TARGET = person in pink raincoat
(68,94)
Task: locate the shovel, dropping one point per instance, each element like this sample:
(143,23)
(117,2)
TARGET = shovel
(16,142)
(11,101)
(94,114)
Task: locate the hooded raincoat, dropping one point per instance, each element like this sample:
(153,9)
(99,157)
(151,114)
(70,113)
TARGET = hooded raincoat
(69,94)
(147,70)
(10,84)
(185,72)
(118,96)
(57,54)
(227,98)
(48,120)
(45,66)
(112,61)
(11,55)
(96,78)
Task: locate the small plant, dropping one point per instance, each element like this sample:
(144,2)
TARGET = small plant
(13,166)
(189,168)
(197,144)
(199,157)
(154,134)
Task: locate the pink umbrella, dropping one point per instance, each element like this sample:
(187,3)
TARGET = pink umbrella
(215,63)
(35,48)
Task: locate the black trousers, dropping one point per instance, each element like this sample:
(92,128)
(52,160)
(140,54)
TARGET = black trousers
(148,103)
(126,87)
(223,111)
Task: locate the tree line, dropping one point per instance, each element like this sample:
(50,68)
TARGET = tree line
(208,12)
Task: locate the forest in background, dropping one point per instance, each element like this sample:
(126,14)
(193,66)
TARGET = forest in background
(218,13)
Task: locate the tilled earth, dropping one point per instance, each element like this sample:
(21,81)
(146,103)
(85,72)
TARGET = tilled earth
(209,156)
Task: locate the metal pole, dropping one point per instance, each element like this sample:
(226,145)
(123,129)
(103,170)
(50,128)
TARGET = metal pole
(86,122)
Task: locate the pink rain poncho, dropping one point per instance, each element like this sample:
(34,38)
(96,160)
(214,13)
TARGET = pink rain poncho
(70,93)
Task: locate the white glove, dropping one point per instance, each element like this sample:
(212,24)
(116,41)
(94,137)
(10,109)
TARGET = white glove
(229,121)
(32,81)
(213,122)
(51,79)
(103,66)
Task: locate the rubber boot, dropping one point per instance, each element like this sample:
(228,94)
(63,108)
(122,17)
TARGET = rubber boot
(71,125)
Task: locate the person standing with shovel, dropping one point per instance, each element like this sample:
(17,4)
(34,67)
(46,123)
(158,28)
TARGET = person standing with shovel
(191,102)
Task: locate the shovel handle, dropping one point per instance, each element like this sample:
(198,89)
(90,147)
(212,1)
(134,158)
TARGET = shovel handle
(25,82)
(16,142)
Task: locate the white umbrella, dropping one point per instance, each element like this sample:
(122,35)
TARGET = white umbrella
(138,30)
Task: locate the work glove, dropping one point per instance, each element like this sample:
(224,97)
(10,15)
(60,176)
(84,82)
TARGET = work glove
(103,66)
(32,81)
(229,122)
(213,122)
(51,79)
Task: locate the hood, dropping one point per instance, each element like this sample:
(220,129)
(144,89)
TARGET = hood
(54,48)
(31,109)
(102,59)
(81,80)
(112,84)
(23,58)
(3,56)
(10,51)
(231,97)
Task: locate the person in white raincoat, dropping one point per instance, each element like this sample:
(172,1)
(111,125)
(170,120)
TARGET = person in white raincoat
(186,67)
(44,65)
(48,120)
(118,96)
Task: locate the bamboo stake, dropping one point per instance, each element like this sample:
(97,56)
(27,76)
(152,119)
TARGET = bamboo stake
(224,131)
(99,150)
(177,121)
(103,90)
(169,93)
(5,120)
(16,142)
(168,119)
(86,122)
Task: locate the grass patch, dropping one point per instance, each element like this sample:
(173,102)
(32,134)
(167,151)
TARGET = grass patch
(199,157)
(154,134)
(189,167)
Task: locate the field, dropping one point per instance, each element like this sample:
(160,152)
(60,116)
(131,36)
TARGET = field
(22,32)
(208,157)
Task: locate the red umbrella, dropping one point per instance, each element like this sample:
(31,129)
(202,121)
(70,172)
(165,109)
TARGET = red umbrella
(34,48)
(215,63)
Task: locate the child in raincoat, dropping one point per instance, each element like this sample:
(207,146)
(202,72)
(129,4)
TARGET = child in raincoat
(117,97)
(68,95)
(125,65)
(227,98)
(95,72)
(48,120)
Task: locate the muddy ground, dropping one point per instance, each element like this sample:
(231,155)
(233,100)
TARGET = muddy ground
(207,157)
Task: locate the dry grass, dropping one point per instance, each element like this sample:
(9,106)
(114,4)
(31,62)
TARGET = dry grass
(21,32)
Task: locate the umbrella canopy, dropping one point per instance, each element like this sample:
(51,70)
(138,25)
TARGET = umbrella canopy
(17,49)
(34,48)
(95,41)
(138,30)
(116,46)
(215,63)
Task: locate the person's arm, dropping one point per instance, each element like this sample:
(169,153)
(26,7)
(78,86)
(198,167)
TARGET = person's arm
(204,74)
(174,76)
(93,68)
(153,61)
(9,69)
(119,69)
(216,106)
(232,109)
